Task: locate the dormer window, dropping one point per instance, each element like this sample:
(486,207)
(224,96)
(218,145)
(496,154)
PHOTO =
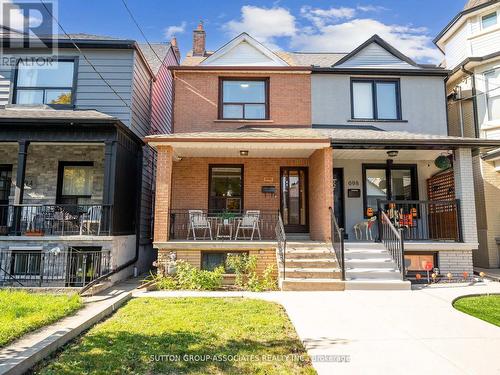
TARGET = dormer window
(51,83)
(243,99)
(375,99)
(489,20)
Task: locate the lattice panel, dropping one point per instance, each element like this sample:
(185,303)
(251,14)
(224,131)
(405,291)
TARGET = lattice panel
(441,187)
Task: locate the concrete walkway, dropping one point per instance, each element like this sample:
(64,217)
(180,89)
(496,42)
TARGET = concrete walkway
(387,332)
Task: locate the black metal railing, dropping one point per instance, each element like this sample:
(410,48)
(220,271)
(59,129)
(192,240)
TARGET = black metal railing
(53,268)
(393,241)
(338,243)
(55,219)
(281,240)
(424,220)
(231,226)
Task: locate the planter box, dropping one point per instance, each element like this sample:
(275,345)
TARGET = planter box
(35,233)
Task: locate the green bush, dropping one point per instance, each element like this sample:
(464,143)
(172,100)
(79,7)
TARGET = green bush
(189,277)
(244,267)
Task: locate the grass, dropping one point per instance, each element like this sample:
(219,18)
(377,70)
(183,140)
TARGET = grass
(22,312)
(138,338)
(486,308)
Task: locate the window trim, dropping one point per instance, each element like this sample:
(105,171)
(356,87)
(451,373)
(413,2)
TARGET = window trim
(374,82)
(220,115)
(485,15)
(242,166)
(433,253)
(60,176)
(488,96)
(75,61)
(388,176)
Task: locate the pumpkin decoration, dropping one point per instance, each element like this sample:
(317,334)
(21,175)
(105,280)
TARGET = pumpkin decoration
(482,275)
(434,276)
(369,212)
(418,276)
(413,212)
(465,275)
(449,276)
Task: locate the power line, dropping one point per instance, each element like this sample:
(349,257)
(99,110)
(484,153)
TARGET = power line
(140,30)
(83,54)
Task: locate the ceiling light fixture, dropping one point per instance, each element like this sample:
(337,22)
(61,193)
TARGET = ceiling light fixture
(392,153)
(243,152)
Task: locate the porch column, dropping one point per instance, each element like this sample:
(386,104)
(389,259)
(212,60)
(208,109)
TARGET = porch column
(164,166)
(21,171)
(464,191)
(320,193)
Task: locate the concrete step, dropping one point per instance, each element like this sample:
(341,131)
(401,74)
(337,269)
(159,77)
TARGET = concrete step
(369,263)
(298,237)
(311,273)
(373,273)
(312,263)
(377,285)
(366,254)
(364,245)
(311,285)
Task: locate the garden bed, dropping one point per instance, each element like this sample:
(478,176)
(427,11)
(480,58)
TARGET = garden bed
(187,335)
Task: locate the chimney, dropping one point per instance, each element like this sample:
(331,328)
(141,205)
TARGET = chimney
(199,37)
(175,48)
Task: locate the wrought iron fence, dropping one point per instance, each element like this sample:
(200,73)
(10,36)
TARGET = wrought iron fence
(393,241)
(55,219)
(281,239)
(54,268)
(338,243)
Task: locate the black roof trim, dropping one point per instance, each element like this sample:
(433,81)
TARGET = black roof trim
(65,43)
(413,143)
(382,43)
(333,126)
(495,154)
(402,72)
(457,17)
(474,59)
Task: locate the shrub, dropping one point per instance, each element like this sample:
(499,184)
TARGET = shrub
(189,277)
(245,267)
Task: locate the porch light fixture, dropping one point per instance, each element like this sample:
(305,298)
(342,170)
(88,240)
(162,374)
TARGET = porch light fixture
(243,152)
(392,153)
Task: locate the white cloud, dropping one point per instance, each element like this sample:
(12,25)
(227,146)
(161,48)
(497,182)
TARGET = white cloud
(371,8)
(174,30)
(16,17)
(331,30)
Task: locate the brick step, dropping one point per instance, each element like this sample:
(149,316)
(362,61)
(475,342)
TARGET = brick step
(309,254)
(312,273)
(312,285)
(311,263)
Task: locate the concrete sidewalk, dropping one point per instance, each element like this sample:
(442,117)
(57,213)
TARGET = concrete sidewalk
(24,353)
(386,332)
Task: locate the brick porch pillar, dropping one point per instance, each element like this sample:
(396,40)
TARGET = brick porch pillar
(464,190)
(163,193)
(320,193)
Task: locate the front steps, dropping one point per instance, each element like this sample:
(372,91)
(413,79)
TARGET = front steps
(369,266)
(310,266)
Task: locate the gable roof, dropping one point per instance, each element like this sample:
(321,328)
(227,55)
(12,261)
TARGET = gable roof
(245,51)
(393,59)
(160,50)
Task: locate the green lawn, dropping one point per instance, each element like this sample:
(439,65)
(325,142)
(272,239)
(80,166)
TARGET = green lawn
(22,312)
(486,308)
(138,338)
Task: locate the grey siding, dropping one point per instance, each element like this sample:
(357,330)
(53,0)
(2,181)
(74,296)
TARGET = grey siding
(162,98)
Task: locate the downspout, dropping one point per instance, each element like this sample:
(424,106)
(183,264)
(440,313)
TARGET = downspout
(474,99)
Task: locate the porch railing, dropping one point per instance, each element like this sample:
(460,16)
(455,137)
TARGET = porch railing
(424,220)
(55,219)
(229,226)
(53,268)
(338,243)
(393,241)
(281,240)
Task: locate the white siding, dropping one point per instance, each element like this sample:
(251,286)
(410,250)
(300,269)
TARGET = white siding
(456,48)
(374,56)
(243,55)
(486,43)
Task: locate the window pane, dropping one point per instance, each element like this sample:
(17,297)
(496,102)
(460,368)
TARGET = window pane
(232,111)
(58,74)
(376,187)
(77,180)
(29,97)
(225,189)
(386,101)
(244,92)
(58,97)
(418,262)
(493,96)
(362,100)
(489,20)
(211,261)
(255,111)
(401,184)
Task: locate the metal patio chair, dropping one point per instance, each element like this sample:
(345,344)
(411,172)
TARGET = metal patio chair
(249,221)
(199,220)
(92,216)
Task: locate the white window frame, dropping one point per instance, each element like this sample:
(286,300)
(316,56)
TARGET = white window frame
(487,14)
(487,91)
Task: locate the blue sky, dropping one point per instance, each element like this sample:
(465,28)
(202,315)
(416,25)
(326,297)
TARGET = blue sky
(337,26)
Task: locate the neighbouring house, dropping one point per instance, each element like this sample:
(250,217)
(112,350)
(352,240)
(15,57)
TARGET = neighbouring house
(76,179)
(274,153)
(471,44)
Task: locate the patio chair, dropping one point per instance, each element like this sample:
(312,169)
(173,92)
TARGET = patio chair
(92,216)
(250,220)
(199,220)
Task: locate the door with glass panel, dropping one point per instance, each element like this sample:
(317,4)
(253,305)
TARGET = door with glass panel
(294,199)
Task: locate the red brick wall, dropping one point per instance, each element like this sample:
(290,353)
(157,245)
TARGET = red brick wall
(321,191)
(197,95)
(163,192)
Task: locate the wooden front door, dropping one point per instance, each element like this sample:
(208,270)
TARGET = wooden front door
(338,196)
(294,211)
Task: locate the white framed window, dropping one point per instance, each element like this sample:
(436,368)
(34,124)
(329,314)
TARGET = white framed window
(492,80)
(489,20)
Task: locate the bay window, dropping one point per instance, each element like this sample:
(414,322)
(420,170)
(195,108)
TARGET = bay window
(375,99)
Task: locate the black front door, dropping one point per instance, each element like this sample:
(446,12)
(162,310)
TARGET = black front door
(5,183)
(294,199)
(338,196)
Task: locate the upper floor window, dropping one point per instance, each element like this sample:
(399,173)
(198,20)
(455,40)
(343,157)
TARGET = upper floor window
(493,94)
(244,99)
(52,85)
(489,20)
(375,99)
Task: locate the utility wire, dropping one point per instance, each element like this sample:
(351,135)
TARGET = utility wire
(83,54)
(140,30)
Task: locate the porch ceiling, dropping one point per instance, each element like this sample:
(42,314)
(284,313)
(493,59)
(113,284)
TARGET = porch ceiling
(403,155)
